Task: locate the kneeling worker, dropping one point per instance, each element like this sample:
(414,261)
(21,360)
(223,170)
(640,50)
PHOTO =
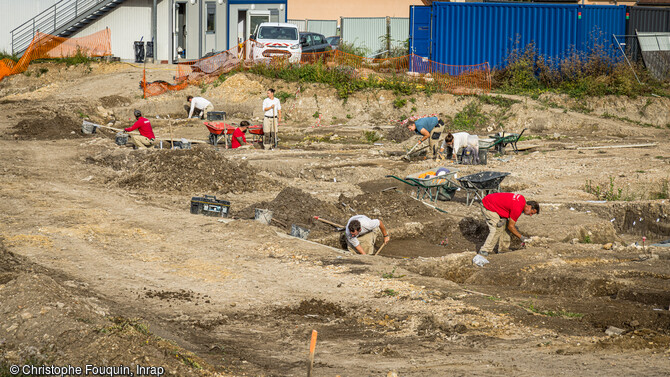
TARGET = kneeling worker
(501,211)
(428,128)
(239,140)
(460,140)
(146,137)
(361,234)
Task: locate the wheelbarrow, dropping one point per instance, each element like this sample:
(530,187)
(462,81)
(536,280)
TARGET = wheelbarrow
(478,185)
(500,140)
(220,130)
(432,183)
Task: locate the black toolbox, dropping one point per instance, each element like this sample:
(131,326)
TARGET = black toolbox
(216,115)
(209,205)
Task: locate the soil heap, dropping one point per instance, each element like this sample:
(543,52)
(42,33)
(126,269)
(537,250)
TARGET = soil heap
(47,127)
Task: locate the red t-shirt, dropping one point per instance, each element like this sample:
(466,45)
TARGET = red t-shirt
(238,133)
(506,204)
(144,126)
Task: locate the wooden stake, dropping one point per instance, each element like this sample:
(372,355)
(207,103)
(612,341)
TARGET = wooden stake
(312,348)
(380,248)
(171,139)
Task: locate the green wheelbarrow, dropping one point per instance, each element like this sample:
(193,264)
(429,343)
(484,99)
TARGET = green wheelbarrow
(436,184)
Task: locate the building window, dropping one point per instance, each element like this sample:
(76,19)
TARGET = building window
(211,17)
(274,15)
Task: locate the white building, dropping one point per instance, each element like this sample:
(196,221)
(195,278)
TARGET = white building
(195,26)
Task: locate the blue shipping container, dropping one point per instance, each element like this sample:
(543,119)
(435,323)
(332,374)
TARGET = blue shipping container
(474,33)
(419,32)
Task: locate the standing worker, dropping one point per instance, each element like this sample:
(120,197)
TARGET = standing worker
(361,234)
(428,128)
(501,211)
(201,105)
(239,140)
(272,109)
(146,137)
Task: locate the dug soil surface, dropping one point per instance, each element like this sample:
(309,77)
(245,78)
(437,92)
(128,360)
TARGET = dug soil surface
(101,261)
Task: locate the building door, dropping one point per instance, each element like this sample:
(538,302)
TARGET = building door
(181,30)
(210,28)
(255,18)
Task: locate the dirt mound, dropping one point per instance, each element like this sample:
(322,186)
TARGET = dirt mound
(399,133)
(474,230)
(114,101)
(47,127)
(196,170)
(315,307)
(389,205)
(294,206)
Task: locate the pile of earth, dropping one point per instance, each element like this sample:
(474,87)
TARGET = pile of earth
(188,170)
(392,206)
(114,101)
(47,127)
(314,307)
(294,206)
(399,133)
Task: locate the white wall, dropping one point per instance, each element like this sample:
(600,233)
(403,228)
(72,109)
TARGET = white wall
(128,23)
(13,13)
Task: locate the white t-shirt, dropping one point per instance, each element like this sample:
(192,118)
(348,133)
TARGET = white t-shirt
(198,103)
(367,225)
(462,139)
(269,102)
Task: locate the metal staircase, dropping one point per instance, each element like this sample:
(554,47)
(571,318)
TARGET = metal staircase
(63,19)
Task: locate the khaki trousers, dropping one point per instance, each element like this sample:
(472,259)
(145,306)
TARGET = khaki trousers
(269,130)
(498,233)
(140,142)
(433,143)
(203,112)
(367,242)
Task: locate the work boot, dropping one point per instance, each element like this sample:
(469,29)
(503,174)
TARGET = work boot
(483,253)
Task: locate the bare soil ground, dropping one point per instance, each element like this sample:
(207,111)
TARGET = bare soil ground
(102,263)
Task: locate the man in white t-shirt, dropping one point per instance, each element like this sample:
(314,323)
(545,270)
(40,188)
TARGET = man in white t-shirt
(460,140)
(361,234)
(272,111)
(199,105)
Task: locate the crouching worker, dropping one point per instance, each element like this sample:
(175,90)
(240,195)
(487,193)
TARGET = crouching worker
(146,137)
(428,128)
(361,234)
(239,140)
(453,143)
(501,211)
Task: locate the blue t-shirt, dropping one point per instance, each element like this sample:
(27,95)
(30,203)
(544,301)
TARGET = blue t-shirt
(425,124)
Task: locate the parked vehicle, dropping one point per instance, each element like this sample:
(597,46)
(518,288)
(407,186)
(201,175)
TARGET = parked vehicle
(334,42)
(275,39)
(313,42)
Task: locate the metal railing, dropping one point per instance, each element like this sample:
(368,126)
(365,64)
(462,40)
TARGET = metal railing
(55,18)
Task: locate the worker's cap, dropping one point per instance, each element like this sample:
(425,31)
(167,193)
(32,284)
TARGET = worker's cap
(137,113)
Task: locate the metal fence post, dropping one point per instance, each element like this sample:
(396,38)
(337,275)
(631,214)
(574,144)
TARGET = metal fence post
(55,5)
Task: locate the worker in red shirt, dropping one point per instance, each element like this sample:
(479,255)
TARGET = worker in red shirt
(146,137)
(239,140)
(501,211)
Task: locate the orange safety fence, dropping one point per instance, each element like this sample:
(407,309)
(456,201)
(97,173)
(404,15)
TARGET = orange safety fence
(468,79)
(47,46)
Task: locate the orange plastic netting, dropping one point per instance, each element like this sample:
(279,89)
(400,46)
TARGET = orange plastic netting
(469,79)
(44,46)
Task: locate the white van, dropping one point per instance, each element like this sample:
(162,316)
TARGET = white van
(274,39)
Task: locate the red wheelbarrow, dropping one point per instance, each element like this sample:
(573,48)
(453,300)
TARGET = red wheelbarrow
(220,130)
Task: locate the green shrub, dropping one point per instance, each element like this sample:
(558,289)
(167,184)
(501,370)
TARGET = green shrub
(399,102)
(470,118)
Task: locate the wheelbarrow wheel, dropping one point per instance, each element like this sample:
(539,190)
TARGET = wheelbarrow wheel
(213,139)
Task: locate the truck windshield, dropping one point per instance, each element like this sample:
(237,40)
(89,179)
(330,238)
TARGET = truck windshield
(278,32)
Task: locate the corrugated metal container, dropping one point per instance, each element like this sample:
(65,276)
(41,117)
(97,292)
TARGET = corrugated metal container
(597,26)
(301,24)
(399,31)
(326,27)
(473,33)
(364,32)
(644,19)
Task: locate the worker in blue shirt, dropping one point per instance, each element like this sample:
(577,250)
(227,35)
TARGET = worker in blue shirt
(429,128)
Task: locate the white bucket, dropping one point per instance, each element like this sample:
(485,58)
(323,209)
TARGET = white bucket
(263,216)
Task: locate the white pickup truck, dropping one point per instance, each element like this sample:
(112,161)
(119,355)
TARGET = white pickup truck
(275,39)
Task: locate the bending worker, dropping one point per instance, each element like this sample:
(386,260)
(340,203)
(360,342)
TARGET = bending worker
(199,104)
(501,211)
(428,128)
(361,234)
(460,140)
(146,137)
(239,140)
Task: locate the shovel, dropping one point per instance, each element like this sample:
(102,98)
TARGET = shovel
(88,128)
(338,227)
(407,155)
